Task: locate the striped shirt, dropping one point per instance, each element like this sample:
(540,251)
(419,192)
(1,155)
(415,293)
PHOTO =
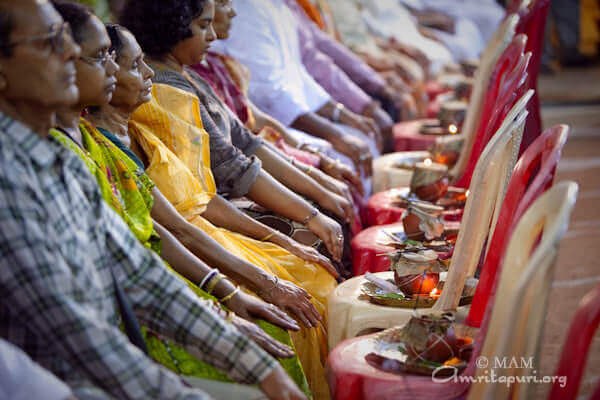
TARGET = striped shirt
(58,240)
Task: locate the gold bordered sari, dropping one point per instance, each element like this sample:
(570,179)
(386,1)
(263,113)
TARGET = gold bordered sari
(169,130)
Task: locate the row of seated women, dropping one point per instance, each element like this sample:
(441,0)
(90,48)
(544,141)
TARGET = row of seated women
(182,149)
(134,126)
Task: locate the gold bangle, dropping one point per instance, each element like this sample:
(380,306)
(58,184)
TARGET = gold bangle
(213,282)
(229,316)
(269,236)
(230,295)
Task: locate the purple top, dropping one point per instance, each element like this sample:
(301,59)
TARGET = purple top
(339,71)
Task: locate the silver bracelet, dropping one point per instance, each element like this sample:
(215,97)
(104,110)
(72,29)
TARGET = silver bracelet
(310,216)
(337,111)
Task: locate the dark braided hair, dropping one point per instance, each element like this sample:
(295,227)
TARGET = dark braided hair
(159,25)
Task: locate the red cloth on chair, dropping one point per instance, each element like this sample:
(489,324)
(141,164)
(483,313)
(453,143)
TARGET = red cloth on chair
(408,136)
(434,88)
(351,378)
(368,255)
(434,107)
(369,250)
(382,210)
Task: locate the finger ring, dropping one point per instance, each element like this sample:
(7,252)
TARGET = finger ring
(340,237)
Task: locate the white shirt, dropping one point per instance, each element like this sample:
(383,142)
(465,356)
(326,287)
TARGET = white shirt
(264,38)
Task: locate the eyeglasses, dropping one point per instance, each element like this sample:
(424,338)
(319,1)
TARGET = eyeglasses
(56,38)
(101,60)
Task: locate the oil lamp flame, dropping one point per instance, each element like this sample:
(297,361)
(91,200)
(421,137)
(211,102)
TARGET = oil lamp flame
(467,193)
(452,129)
(427,161)
(435,293)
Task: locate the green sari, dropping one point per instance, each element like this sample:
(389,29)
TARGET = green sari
(128,190)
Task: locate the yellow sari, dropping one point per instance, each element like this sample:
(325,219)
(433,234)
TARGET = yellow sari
(169,130)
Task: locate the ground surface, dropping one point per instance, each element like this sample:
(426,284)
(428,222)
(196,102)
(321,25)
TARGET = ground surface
(573,97)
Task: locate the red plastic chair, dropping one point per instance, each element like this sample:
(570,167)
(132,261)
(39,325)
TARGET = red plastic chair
(533,24)
(533,175)
(351,379)
(509,88)
(506,86)
(576,347)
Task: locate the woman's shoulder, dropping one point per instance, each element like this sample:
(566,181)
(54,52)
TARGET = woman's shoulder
(198,81)
(172,78)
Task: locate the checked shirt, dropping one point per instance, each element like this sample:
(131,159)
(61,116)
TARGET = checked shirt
(58,240)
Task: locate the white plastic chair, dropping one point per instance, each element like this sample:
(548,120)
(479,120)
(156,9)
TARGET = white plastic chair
(518,316)
(489,182)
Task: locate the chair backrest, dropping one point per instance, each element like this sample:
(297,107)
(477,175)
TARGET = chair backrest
(523,289)
(499,36)
(490,179)
(502,38)
(532,22)
(533,175)
(506,86)
(576,347)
